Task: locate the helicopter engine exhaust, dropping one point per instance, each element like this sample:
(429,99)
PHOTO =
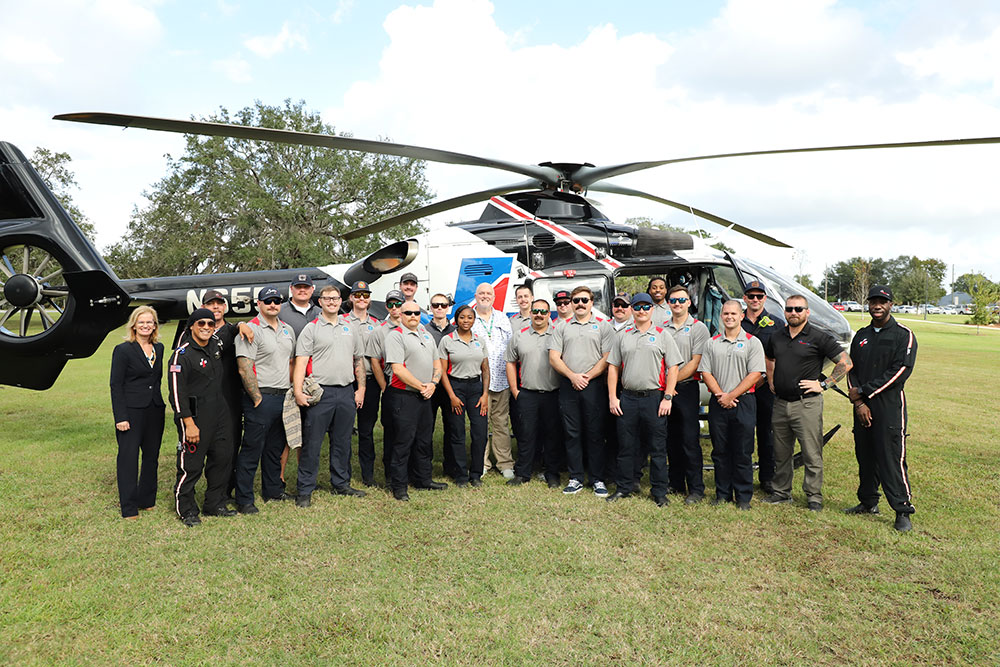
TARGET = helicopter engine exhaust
(660,242)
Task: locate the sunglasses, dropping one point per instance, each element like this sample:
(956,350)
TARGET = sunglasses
(411,313)
(362,295)
(753,297)
(539,311)
(205,324)
(562,302)
(272,302)
(619,304)
(678,299)
(439,305)
(795,309)
(581,299)
(393,304)
(643,307)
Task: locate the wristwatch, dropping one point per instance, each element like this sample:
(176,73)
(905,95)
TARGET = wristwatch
(823,385)
(668,397)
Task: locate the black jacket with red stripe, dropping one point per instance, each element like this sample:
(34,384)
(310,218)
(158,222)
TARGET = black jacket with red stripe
(883,360)
(196,379)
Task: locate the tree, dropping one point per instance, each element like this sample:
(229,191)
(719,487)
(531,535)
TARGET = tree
(54,170)
(862,280)
(985,295)
(918,286)
(965,282)
(240,205)
(805,280)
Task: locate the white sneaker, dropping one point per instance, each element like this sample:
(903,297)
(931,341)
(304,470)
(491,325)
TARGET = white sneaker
(600,489)
(574,486)
(507,474)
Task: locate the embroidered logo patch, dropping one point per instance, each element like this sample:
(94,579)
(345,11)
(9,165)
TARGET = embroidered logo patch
(203,363)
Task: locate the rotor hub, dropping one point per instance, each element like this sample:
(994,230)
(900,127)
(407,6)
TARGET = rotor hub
(22,291)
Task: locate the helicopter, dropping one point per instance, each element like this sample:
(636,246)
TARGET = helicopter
(543,231)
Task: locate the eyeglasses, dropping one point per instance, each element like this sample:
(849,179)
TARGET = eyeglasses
(795,309)
(205,324)
(539,311)
(272,301)
(581,299)
(411,313)
(562,302)
(439,305)
(362,295)
(678,299)
(643,307)
(393,304)
(753,296)
(330,298)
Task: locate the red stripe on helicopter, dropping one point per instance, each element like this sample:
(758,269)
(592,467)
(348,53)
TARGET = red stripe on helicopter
(575,240)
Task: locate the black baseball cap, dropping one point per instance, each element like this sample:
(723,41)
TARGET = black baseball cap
(754,286)
(270,292)
(213,295)
(302,279)
(411,277)
(360,286)
(622,296)
(880,292)
(561,294)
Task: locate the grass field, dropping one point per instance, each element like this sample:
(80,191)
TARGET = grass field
(502,575)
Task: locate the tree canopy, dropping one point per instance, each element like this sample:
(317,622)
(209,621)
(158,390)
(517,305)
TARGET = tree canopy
(912,279)
(240,205)
(54,170)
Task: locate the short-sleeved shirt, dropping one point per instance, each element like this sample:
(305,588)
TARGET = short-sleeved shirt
(661,313)
(582,344)
(496,333)
(518,322)
(799,358)
(415,350)
(530,351)
(464,360)
(691,338)
(270,352)
(364,328)
(622,326)
(643,358)
(730,361)
(763,327)
(295,318)
(332,348)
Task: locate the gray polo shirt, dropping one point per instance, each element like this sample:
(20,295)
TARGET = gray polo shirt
(691,338)
(661,313)
(270,352)
(332,348)
(730,361)
(464,360)
(643,359)
(295,318)
(415,350)
(365,329)
(582,344)
(622,326)
(519,321)
(530,350)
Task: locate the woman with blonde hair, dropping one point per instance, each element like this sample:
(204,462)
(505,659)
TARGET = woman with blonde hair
(136,373)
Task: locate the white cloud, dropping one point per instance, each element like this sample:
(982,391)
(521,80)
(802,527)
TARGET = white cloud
(19,51)
(267,46)
(234,68)
(958,62)
(344,8)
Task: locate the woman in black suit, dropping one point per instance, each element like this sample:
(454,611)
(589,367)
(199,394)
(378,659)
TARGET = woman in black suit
(136,371)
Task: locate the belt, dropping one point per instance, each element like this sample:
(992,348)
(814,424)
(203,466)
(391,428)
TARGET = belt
(475,378)
(641,394)
(791,399)
(272,390)
(335,386)
(540,391)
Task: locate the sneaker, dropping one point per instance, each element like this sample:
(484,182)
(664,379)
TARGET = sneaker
(744,505)
(861,508)
(775,499)
(507,474)
(815,506)
(902,522)
(574,486)
(600,489)
(693,499)
(304,500)
(192,520)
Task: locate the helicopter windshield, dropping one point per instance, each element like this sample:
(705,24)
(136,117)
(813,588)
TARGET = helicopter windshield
(780,288)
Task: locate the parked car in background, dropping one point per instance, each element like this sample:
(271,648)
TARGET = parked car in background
(906,309)
(853,307)
(838,306)
(950,310)
(967,309)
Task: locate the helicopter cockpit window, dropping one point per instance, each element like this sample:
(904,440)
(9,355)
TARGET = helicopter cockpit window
(544,288)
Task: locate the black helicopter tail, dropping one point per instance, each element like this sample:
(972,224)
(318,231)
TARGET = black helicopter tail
(58,298)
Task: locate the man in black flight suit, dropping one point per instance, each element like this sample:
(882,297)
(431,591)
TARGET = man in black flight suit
(883,354)
(204,432)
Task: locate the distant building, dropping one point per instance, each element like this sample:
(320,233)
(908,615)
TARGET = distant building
(954,299)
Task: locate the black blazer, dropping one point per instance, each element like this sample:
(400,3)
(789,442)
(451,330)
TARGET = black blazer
(134,384)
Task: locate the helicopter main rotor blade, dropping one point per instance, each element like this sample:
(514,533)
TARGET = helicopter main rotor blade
(585,176)
(544,174)
(619,190)
(438,207)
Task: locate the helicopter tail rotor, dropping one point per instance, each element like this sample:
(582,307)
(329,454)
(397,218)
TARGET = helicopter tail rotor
(58,298)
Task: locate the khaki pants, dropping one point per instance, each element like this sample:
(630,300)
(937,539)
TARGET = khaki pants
(802,420)
(499,442)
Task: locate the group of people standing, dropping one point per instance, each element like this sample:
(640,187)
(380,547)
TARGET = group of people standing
(601,399)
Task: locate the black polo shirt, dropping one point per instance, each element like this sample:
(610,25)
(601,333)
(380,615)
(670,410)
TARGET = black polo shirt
(799,358)
(763,327)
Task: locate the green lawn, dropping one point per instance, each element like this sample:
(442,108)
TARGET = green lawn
(503,575)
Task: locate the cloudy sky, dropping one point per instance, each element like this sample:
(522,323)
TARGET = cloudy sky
(588,80)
